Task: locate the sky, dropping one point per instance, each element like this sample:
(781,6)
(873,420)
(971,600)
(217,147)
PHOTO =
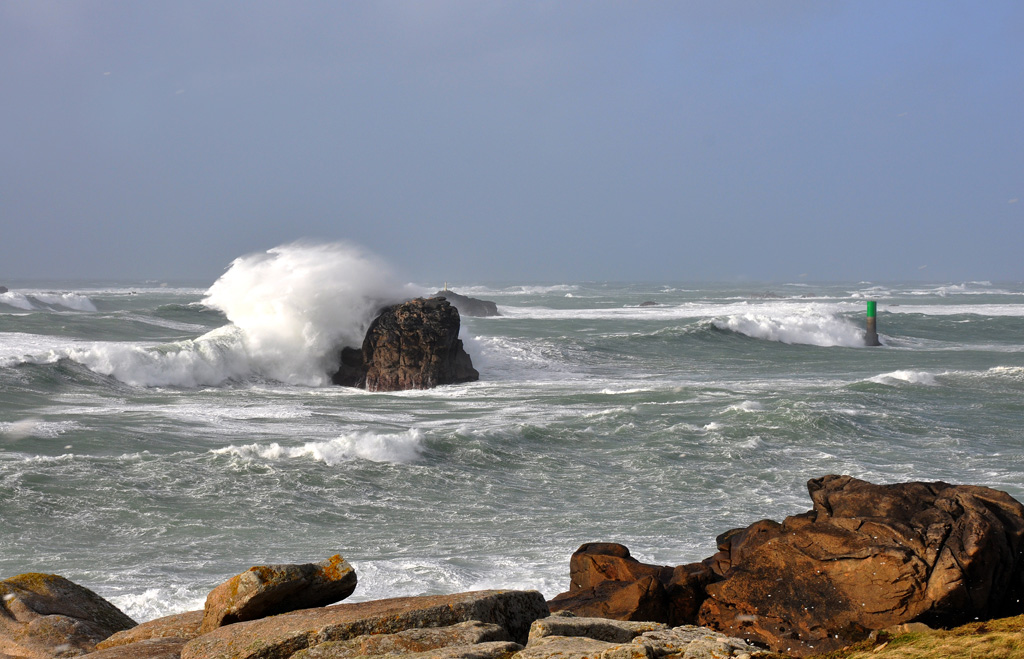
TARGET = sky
(479,141)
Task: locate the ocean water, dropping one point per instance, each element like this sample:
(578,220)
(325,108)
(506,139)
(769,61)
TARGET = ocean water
(158,439)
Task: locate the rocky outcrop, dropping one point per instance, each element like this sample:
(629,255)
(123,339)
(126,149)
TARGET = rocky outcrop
(606,582)
(45,615)
(595,638)
(472,632)
(866,557)
(469,306)
(184,626)
(267,590)
(280,636)
(413,345)
(150,648)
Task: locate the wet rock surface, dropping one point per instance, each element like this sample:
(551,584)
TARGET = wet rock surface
(267,590)
(45,615)
(413,345)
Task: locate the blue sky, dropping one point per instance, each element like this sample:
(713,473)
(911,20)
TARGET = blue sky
(484,141)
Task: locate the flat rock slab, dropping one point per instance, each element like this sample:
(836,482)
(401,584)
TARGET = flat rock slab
(181,625)
(281,636)
(266,590)
(579,647)
(408,642)
(692,642)
(150,648)
(492,650)
(601,629)
(45,615)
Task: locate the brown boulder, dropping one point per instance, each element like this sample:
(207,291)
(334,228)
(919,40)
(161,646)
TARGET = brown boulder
(281,636)
(409,641)
(868,557)
(267,590)
(180,625)
(606,582)
(168,647)
(45,615)
(643,600)
(413,345)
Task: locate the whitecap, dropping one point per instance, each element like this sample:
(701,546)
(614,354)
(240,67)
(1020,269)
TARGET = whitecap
(911,377)
(403,448)
(808,326)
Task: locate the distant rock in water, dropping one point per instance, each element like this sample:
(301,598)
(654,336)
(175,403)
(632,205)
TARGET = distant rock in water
(413,345)
(470,306)
(649,303)
(3,289)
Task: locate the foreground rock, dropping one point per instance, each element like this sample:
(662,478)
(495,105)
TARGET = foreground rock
(596,638)
(414,345)
(150,648)
(606,582)
(281,636)
(464,634)
(866,557)
(184,626)
(267,590)
(469,306)
(45,616)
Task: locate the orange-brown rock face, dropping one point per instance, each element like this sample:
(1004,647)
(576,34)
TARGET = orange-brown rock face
(414,345)
(868,557)
(267,590)
(45,615)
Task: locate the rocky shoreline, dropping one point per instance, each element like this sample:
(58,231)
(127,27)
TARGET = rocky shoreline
(865,558)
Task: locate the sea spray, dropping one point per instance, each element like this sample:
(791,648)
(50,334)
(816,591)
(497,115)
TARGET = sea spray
(298,304)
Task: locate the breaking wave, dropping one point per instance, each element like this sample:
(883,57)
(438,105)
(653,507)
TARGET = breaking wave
(47,301)
(807,327)
(290,309)
(401,448)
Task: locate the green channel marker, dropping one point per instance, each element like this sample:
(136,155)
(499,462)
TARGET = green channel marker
(871,335)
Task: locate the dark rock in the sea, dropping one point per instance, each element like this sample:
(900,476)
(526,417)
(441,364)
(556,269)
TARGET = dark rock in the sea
(3,289)
(281,636)
(649,303)
(469,306)
(151,648)
(868,557)
(45,615)
(413,345)
(409,641)
(267,590)
(181,625)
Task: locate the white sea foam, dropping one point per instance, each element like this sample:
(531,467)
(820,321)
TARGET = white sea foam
(16,300)
(296,305)
(35,427)
(912,377)
(291,309)
(159,602)
(809,326)
(400,448)
(746,406)
(41,301)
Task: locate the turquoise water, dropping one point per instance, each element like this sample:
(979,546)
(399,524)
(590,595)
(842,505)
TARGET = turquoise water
(150,447)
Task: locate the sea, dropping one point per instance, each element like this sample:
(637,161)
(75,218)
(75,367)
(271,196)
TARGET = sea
(157,438)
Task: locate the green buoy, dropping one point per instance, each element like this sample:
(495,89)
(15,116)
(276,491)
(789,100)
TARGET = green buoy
(871,336)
